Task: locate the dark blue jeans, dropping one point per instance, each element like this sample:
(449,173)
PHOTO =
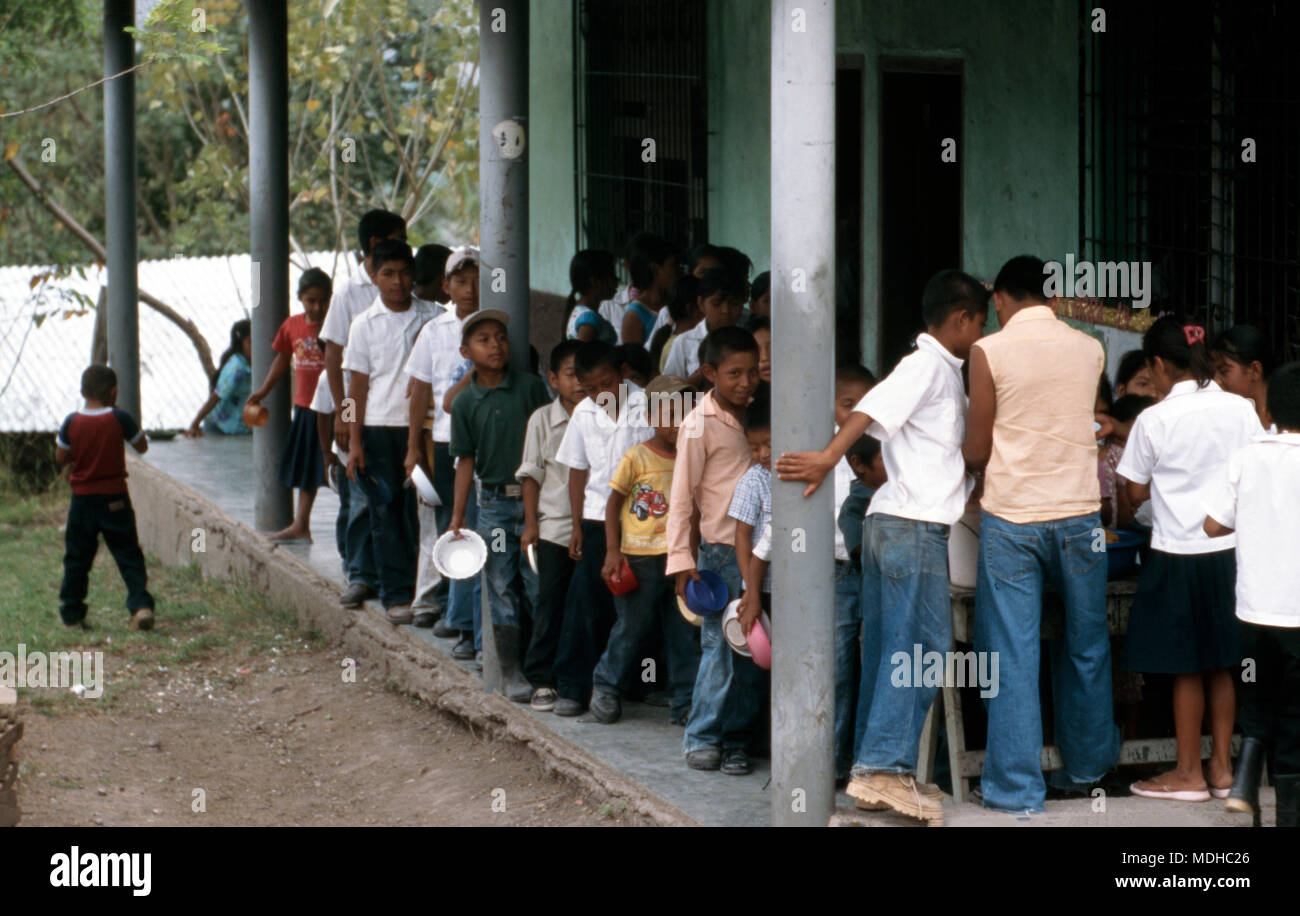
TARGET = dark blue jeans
(729,688)
(651,605)
(1014,563)
(905,610)
(588,616)
(848,660)
(465,596)
(358,542)
(90,516)
(394,529)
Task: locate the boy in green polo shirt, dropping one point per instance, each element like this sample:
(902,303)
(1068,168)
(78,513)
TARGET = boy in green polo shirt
(488,422)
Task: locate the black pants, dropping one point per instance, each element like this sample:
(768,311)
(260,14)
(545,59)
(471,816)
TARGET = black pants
(1270,705)
(588,617)
(554,570)
(88,517)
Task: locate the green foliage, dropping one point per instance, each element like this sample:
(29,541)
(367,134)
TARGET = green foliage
(382,112)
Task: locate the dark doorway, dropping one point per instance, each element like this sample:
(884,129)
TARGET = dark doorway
(920,195)
(848,211)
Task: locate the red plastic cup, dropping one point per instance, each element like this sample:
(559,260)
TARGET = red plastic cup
(624,582)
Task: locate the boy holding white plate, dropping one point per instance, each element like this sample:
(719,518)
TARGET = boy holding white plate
(488,422)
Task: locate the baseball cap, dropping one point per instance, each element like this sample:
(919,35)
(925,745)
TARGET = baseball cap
(459,257)
(477,318)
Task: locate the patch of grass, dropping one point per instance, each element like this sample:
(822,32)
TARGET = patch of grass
(62,782)
(197,617)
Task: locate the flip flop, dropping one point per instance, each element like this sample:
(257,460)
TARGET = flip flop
(1220,793)
(1168,794)
(290,540)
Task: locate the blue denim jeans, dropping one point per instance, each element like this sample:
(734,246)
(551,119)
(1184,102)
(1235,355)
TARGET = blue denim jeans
(340,477)
(1015,561)
(652,604)
(394,530)
(905,610)
(354,521)
(728,697)
(500,522)
(848,659)
(465,596)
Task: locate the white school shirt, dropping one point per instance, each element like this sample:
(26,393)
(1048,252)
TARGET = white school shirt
(595,443)
(322,401)
(663,320)
(613,310)
(379,342)
(436,359)
(919,415)
(1180,447)
(684,354)
(1258,494)
(352,296)
(843,483)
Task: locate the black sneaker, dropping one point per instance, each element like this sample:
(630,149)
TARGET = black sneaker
(605,707)
(442,631)
(356,595)
(705,758)
(735,762)
(464,650)
(424,617)
(568,708)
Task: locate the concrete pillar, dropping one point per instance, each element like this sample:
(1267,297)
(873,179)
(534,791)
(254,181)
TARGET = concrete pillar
(803,340)
(503,199)
(268,153)
(119,196)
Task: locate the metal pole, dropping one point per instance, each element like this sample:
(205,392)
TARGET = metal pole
(268,154)
(803,338)
(503,199)
(119,187)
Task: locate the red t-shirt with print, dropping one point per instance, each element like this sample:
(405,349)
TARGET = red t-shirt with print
(297,338)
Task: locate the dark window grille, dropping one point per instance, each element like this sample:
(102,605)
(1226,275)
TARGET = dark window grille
(1169,92)
(640,74)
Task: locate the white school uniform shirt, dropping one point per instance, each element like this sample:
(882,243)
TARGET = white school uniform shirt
(1258,494)
(684,354)
(595,443)
(379,343)
(351,296)
(613,310)
(322,401)
(919,415)
(843,483)
(663,320)
(436,359)
(1180,446)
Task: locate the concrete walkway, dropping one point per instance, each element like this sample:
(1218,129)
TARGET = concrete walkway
(643,746)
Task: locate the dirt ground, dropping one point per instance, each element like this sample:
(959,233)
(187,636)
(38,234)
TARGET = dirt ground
(284,742)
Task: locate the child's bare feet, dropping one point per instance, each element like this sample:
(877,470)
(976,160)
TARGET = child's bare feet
(293,532)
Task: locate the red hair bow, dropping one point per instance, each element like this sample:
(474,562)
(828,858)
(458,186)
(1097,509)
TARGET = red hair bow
(1194,333)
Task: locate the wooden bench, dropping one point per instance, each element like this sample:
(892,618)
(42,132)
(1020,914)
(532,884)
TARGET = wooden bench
(965,764)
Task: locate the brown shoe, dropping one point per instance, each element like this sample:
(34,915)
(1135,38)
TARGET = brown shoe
(400,613)
(142,619)
(925,788)
(900,791)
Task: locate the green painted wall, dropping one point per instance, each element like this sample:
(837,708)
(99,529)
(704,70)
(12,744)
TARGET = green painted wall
(1019,155)
(1019,158)
(552,238)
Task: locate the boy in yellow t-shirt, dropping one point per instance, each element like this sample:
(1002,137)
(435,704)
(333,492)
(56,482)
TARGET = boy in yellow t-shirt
(636,523)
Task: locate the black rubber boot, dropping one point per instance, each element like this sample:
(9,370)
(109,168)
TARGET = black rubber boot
(509,656)
(1244,795)
(1288,799)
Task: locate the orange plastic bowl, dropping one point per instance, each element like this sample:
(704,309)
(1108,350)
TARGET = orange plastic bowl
(256,414)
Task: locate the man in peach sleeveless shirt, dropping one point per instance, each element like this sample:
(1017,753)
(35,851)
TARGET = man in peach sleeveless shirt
(1033,387)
